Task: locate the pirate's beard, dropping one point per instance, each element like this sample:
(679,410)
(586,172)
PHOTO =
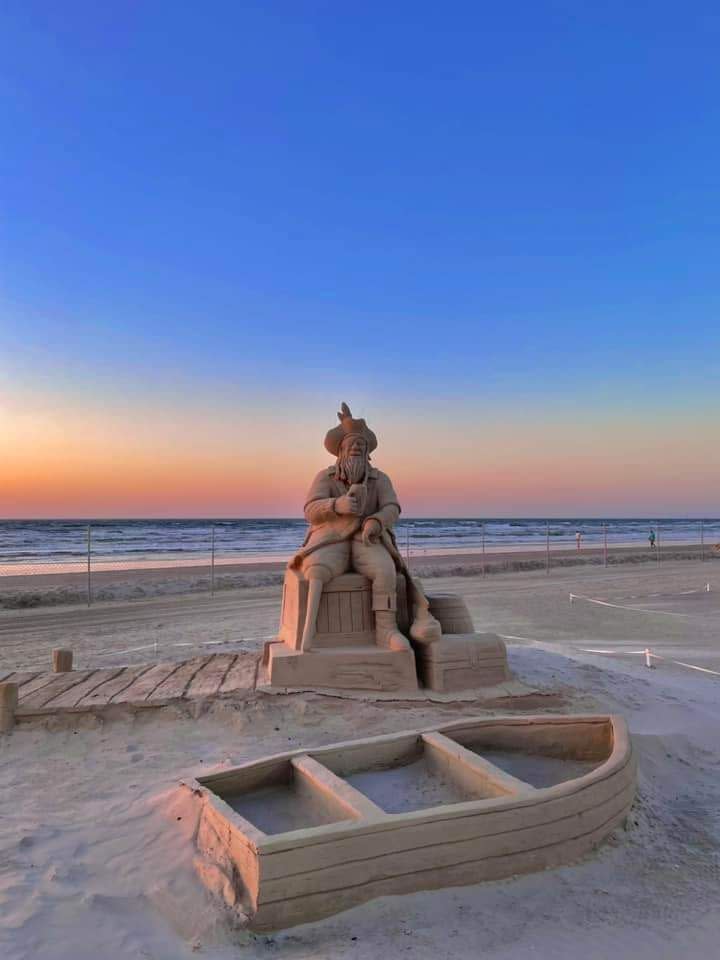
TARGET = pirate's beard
(352,469)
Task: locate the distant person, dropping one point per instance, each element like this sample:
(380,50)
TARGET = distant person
(578,539)
(651,539)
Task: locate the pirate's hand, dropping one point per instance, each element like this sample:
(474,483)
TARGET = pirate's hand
(371,531)
(347,504)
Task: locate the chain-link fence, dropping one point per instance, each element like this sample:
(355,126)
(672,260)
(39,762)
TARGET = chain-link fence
(73,561)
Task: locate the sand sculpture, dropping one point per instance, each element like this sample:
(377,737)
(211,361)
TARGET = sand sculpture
(352,614)
(305,834)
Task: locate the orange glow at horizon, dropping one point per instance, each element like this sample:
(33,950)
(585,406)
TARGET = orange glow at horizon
(67,464)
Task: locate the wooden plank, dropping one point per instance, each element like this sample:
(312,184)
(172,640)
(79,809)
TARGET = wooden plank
(340,792)
(21,678)
(143,686)
(73,695)
(403,829)
(580,737)
(285,912)
(266,773)
(346,613)
(463,763)
(243,673)
(103,694)
(450,852)
(356,610)
(208,680)
(174,687)
(368,618)
(38,683)
(333,604)
(61,682)
(322,616)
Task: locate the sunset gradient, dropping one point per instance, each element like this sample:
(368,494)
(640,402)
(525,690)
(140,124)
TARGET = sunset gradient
(232,461)
(493,232)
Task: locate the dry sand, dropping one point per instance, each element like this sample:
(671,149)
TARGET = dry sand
(121,581)
(95,862)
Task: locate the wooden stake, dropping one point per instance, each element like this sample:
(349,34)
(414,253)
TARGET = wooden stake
(605,553)
(62,660)
(547,548)
(8,706)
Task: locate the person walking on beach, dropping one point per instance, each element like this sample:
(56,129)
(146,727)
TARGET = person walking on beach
(651,538)
(578,539)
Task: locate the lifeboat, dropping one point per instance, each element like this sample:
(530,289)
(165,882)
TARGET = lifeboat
(301,835)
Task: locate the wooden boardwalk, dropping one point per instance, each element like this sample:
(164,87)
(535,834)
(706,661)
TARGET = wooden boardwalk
(144,685)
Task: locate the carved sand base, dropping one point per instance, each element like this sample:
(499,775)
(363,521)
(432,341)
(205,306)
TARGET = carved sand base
(342,668)
(305,834)
(344,655)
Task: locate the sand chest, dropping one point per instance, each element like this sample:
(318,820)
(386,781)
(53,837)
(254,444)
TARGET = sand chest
(302,835)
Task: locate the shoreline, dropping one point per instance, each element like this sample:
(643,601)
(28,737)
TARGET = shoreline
(253,560)
(113,581)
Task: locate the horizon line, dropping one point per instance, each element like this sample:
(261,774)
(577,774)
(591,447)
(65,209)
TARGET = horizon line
(229,519)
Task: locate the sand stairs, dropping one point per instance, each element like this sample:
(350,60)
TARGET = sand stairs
(143,685)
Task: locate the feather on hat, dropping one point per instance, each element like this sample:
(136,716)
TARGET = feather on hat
(348,427)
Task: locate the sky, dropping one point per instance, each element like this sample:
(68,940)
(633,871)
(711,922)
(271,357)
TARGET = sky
(492,229)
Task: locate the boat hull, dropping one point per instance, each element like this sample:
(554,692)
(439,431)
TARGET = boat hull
(356,850)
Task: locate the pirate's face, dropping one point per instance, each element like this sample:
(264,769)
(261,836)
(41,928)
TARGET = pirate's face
(354,447)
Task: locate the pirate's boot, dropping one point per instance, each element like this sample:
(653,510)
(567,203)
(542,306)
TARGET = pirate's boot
(425,628)
(386,629)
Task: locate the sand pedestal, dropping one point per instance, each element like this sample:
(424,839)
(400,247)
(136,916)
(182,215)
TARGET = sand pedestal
(344,653)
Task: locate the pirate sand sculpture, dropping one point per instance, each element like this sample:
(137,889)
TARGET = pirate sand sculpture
(352,615)
(352,508)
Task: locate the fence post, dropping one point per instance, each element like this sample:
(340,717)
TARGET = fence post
(605,556)
(482,527)
(212,560)
(89,573)
(547,546)
(62,660)
(8,706)
(702,539)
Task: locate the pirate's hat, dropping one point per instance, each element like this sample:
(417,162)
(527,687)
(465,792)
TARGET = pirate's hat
(348,427)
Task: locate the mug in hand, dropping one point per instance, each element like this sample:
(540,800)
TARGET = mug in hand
(358,491)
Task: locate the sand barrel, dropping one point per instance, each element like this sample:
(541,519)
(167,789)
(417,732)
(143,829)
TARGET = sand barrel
(452,612)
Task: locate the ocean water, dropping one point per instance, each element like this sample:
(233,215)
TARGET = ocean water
(42,541)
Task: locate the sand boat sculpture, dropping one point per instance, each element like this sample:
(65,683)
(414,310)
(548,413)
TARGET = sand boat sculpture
(304,834)
(353,616)
(301,835)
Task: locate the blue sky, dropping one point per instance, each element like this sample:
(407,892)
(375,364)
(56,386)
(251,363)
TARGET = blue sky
(493,204)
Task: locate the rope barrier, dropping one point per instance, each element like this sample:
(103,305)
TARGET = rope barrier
(649,657)
(647,653)
(620,606)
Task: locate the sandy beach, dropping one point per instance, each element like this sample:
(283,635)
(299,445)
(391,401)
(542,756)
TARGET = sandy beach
(423,299)
(68,583)
(103,862)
